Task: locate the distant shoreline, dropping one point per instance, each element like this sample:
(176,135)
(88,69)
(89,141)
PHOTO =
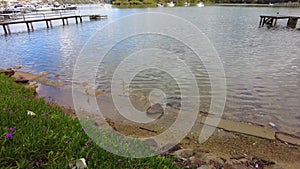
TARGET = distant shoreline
(259,5)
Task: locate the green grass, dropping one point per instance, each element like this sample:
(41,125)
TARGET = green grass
(51,140)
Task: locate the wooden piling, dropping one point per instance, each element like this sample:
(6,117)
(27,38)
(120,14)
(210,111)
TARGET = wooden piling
(31,25)
(4,28)
(28,28)
(63,21)
(292,22)
(8,29)
(47,24)
(260,22)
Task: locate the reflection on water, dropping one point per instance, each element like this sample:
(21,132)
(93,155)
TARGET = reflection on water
(262,66)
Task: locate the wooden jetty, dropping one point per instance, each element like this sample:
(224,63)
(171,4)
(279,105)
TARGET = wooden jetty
(45,17)
(271,21)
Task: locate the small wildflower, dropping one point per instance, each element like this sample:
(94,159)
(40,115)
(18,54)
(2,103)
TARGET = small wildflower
(119,161)
(23,97)
(89,157)
(97,163)
(129,143)
(67,141)
(12,129)
(44,114)
(109,148)
(256,165)
(121,142)
(89,142)
(7,110)
(8,135)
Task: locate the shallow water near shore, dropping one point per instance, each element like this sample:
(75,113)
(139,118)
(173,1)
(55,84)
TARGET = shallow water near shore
(262,65)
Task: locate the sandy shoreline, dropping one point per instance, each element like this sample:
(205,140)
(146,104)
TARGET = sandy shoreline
(231,139)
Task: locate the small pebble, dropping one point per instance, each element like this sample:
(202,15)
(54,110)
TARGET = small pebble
(272,124)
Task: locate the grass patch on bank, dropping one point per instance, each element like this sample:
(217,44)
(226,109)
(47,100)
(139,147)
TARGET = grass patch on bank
(51,140)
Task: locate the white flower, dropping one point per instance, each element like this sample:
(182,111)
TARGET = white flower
(78,164)
(30,113)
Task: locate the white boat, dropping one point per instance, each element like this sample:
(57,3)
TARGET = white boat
(44,7)
(29,8)
(57,7)
(2,9)
(107,6)
(200,4)
(160,5)
(13,8)
(186,4)
(70,7)
(171,4)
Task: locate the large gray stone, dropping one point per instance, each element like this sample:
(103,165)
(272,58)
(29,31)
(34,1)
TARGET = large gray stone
(155,109)
(184,153)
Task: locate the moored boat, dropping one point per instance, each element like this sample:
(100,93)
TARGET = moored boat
(17,7)
(200,4)
(160,4)
(107,6)
(70,7)
(171,4)
(44,7)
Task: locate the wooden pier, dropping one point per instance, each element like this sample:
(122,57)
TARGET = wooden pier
(45,17)
(271,21)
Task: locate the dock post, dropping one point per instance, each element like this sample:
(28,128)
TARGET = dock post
(63,21)
(31,25)
(50,23)
(4,28)
(80,18)
(67,21)
(260,21)
(275,23)
(264,21)
(76,20)
(8,29)
(47,24)
(28,28)
(292,22)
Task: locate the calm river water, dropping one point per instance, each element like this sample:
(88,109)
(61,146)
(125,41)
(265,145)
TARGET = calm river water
(262,66)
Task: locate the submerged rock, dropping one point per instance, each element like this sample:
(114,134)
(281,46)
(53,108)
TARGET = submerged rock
(155,109)
(184,153)
(170,148)
(151,143)
(17,67)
